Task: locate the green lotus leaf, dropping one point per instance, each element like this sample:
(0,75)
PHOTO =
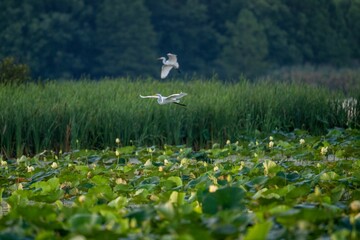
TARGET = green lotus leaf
(151,180)
(176,180)
(199,183)
(177,198)
(279,209)
(126,150)
(140,214)
(328,176)
(337,193)
(84,223)
(258,231)
(123,188)
(299,191)
(102,193)
(223,199)
(100,180)
(291,176)
(119,202)
(257,181)
(166,210)
(48,191)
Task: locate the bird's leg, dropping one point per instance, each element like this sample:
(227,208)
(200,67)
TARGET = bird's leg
(180,104)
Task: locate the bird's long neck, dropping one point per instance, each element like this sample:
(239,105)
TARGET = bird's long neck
(163,60)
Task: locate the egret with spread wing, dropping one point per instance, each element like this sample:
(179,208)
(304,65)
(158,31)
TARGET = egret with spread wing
(168,64)
(173,98)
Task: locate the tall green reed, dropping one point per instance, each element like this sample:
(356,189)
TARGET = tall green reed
(89,114)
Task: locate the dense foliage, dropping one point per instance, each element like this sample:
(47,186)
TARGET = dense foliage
(64,115)
(283,186)
(12,72)
(123,38)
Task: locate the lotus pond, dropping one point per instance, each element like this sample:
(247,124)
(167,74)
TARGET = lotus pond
(279,186)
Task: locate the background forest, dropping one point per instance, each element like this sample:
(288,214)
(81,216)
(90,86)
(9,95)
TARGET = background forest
(76,38)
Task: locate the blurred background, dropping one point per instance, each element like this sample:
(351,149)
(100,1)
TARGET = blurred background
(231,38)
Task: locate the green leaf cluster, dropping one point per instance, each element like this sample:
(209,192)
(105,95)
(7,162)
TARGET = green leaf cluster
(252,193)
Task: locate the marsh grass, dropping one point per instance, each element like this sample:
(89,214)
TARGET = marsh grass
(65,115)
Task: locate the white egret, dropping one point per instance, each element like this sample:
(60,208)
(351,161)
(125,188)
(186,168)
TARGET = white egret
(173,98)
(168,64)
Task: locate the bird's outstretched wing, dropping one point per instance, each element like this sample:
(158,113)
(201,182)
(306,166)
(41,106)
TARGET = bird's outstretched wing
(165,69)
(172,58)
(153,96)
(177,95)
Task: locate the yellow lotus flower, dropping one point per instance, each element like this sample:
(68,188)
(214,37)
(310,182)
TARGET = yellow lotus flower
(154,198)
(228,178)
(54,165)
(117,153)
(213,188)
(30,169)
(184,161)
(355,206)
(268,164)
(324,150)
(120,181)
(302,141)
(82,198)
(148,163)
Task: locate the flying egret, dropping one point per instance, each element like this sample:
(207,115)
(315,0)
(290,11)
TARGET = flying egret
(173,98)
(168,64)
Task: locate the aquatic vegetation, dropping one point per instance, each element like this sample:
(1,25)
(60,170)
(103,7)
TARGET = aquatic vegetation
(240,189)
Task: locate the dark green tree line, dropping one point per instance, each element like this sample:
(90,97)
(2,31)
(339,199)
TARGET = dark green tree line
(125,39)
(71,38)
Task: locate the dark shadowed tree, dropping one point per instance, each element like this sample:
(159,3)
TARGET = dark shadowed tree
(14,30)
(352,18)
(273,15)
(51,37)
(125,39)
(246,48)
(220,12)
(318,30)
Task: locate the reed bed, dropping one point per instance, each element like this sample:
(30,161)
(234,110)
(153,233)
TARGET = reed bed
(65,115)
